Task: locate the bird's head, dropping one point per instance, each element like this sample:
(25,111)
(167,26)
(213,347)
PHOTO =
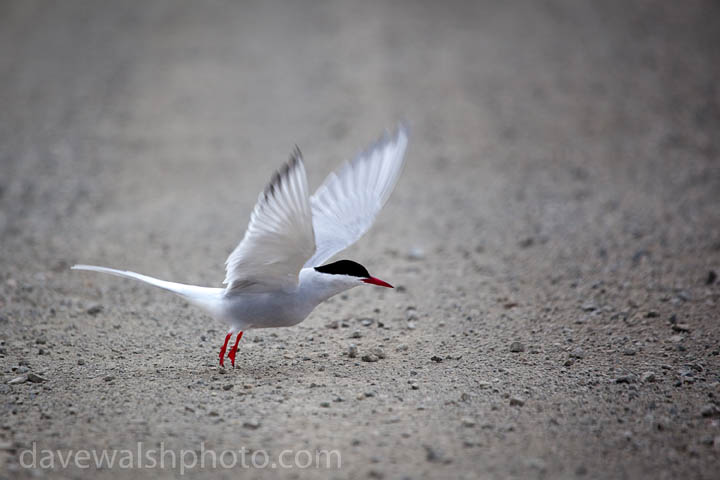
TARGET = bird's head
(350,274)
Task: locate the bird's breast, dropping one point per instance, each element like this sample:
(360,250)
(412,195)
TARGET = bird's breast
(267,310)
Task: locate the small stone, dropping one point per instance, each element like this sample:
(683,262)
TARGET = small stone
(482,384)
(352,350)
(356,334)
(711,277)
(109,378)
(526,242)
(369,357)
(681,327)
(228,386)
(578,353)
(94,309)
(18,380)
(81,361)
(468,422)
(629,352)
(589,307)
(34,378)
(708,410)
(630,378)
(401,348)
(411,326)
(517,347)
(251,424)
(411,314)
(436,358)
(333,325)
(416,253)
(378,352)
(414,386)
(569,362)
(325,404)
(648,377)
(366,322)
(433,455)
(516,401)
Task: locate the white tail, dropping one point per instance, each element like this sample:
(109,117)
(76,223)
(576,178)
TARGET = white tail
(205,297)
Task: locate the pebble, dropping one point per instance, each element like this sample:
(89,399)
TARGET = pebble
(433,455)
(34,378)
(411,326)
(414,386)
(578,353)
(648,377)
(711,277)
(366,322)
(709,410)
(630,378)
(228,386)
(325,404)
(517,347)
(94,309)
(369,357)
(18,380)
(401,348)
(356,334)
(81,361)
(251,424)
(681,327)
(416,253)
(378,352)
(352,350)
(516,401)
(109,378)
(629,352)
(436,358)
(468,422)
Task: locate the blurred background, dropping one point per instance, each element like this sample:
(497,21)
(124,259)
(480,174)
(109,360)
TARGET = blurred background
(562,189)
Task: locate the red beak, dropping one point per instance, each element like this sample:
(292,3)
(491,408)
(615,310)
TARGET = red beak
(377,281)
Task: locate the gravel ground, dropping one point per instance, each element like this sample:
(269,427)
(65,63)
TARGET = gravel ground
(555,237)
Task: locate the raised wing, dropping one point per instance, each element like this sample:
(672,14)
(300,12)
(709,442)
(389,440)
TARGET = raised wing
(346,204)
(279,237)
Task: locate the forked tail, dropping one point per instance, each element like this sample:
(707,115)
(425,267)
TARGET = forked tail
(205,297)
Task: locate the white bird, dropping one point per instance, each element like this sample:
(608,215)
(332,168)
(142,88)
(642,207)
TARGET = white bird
(275,276)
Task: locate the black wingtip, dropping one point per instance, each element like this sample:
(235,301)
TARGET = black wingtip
(283,172)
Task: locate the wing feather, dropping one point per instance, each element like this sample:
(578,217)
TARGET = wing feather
(344,207)
(279,238)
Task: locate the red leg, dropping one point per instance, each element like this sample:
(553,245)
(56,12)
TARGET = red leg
(234,348)
(222,350)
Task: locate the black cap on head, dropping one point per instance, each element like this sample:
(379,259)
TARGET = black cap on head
(345,267)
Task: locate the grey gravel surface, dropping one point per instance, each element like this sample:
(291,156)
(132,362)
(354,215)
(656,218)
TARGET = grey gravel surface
(555,237)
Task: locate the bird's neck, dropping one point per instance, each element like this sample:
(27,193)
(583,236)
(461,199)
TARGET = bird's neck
(320,286)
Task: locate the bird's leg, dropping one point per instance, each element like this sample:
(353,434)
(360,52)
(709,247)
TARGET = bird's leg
(234,348)
(222,350)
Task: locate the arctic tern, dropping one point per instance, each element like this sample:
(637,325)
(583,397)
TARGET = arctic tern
(275,276)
